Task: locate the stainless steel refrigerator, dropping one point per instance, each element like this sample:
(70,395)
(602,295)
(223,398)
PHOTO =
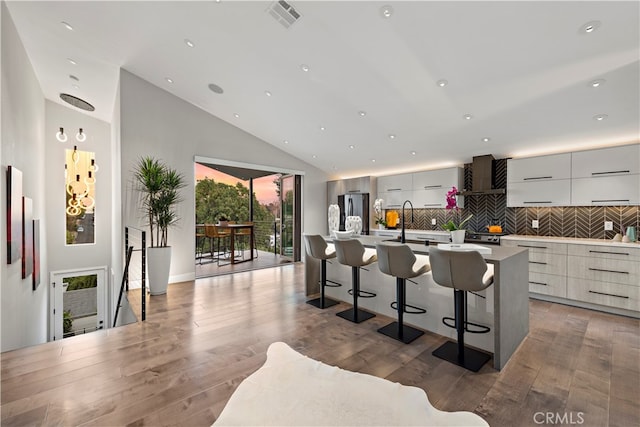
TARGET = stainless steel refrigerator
(354,204)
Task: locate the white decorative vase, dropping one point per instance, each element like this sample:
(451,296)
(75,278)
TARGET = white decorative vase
(158,266)
(457,236)
(334,219)
(353,224)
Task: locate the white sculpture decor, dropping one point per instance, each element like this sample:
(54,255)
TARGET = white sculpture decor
(334,219)
(353,224)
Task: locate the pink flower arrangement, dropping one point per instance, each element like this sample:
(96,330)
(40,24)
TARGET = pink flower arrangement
(452,205)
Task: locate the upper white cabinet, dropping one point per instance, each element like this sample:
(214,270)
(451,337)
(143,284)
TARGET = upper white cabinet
(394,190)
(623,160)
(539,181)
(539,193)
(606,190)
(430,187)
(541,168)
(403,182)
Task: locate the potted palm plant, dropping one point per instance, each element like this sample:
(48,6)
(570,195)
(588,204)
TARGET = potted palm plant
(159,185)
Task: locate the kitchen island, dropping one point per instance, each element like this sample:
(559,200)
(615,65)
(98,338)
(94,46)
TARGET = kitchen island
(504,306)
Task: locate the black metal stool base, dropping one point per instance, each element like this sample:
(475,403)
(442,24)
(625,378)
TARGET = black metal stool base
(355,316)
(409,333)
(473,360)
(328,302)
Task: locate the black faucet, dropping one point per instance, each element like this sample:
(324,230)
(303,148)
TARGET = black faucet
(402,238)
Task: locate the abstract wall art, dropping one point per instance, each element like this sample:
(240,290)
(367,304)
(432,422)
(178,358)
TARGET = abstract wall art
(27,237)
(36,254)
(14,214)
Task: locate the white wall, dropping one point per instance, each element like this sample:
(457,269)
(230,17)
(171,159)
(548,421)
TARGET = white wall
(24,311)
(61,255)
(154,122)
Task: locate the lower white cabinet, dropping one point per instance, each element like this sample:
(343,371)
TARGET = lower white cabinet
(603,276)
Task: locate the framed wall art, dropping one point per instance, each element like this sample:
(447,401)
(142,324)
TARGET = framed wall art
(14,214)
(27,237)
(36,253)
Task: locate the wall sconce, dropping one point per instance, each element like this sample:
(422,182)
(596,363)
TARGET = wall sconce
(81,136)
(60,136)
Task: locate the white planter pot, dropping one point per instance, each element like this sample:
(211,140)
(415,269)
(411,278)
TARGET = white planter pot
(457,236)
(380,227)
(158,266)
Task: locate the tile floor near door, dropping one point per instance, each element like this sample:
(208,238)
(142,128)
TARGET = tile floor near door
(203,338)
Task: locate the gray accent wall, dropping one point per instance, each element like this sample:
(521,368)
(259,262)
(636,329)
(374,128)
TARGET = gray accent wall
(155,122)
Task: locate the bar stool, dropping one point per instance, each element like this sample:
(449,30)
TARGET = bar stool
(398,260)
(200,239)
(464,271)
(215,235)
(317,248)
(351,252)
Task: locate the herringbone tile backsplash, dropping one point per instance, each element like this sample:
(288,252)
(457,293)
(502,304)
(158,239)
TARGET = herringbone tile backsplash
(570,221)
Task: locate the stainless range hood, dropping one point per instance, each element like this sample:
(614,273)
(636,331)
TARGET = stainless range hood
(482,174)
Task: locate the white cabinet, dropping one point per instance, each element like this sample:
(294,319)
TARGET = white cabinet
(541,168)
(539,193)
(547,266)
(606,190)
(608,176)
(623,160)
(394,190)
(539,181)
(393,183)
(607,276)
(430,187)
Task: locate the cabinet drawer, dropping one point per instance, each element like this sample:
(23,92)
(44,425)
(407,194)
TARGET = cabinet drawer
(548,263)
(609,294)
(548,284)
(605,252)
(604,270)
(537,246)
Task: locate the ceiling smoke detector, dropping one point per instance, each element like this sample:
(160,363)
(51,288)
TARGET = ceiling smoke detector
(77,102)
(284,13)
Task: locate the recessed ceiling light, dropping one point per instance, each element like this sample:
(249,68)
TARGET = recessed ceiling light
(600,117)
(486,139)
(168,79)
(67,26)
(215,88)
(189,43)
(72,77)
(75,86)
(236,115)
(286,141)
(467,116)
(597,83)
(442,83)
(72,62)
(322,128)
(314,156)
(413,153)
(386,11)
(266,92)
(304,67)
(590,27)
(352,147)
(373,160)
(392,136)
(362,113)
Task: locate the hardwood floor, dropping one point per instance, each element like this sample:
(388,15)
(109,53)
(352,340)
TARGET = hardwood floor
(202,339)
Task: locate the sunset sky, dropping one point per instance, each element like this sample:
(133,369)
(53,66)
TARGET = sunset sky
(264,187)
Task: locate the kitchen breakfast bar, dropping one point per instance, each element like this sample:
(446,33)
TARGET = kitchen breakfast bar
(503,306)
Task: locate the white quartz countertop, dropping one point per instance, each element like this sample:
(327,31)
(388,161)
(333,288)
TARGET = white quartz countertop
(570,240)
(412,231)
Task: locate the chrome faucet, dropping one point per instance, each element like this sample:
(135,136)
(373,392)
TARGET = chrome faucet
(402,238)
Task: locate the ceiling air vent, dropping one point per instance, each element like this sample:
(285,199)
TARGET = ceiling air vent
(284,13)
(77,102)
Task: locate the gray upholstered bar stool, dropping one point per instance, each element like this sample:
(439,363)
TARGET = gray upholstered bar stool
(317,248)
(351,252)
(398,260)
(464,271)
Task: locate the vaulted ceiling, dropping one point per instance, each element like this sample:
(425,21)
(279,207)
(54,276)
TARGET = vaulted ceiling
(358,87)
